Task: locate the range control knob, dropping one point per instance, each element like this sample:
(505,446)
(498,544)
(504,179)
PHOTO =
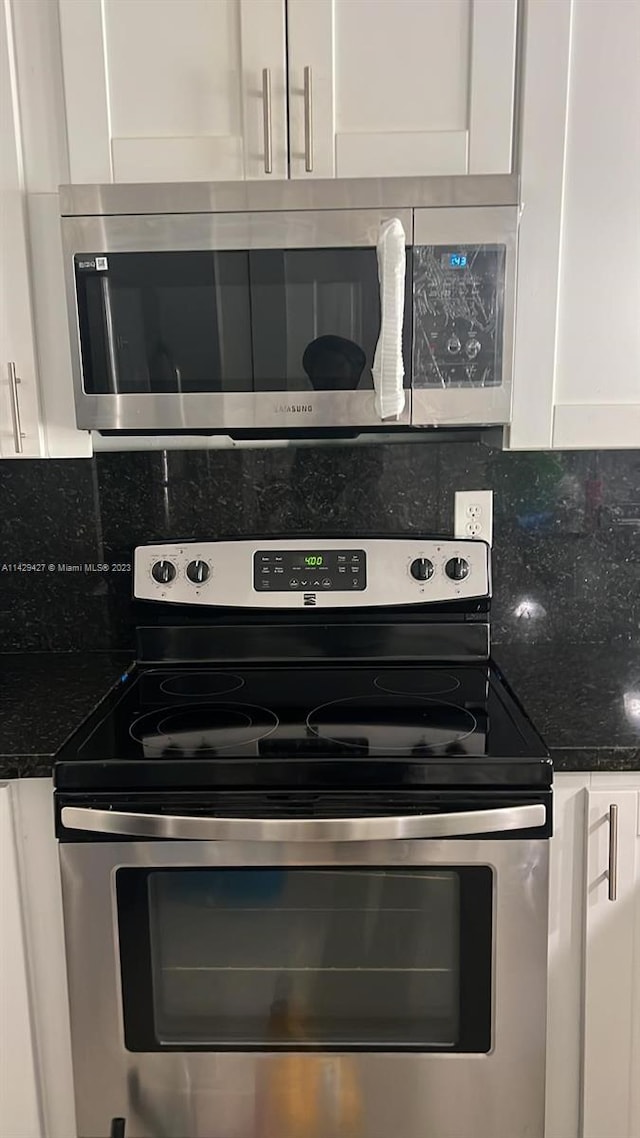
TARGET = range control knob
(421,569)
(198,572)
(457,568)
(163,572)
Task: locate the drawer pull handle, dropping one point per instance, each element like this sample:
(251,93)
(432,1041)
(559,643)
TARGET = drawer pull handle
(613,852)
(266,119)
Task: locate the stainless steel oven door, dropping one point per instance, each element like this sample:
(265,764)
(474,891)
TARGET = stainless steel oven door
(309,988)
(228,321)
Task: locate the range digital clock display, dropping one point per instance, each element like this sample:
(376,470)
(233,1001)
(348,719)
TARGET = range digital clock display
(302,570)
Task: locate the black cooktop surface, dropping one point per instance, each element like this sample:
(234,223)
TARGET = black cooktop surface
(378,725)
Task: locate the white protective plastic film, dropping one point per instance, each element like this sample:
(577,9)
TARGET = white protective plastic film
(388,366)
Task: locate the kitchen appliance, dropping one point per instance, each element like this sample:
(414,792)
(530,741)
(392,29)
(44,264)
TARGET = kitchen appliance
(337,305)
(304,852)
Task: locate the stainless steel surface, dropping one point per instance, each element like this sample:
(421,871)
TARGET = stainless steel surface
(612,872)
(222,1095)
(105,288)
(297,229)
(460,406)
(14,380)
(388,573)
(266,119)
(306,409)
(382,829)
(296,194)
(308,120)
(233,411)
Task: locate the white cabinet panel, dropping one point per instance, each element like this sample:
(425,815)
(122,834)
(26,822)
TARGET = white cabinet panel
(612,975)
(19,1105)
(173,91)
(598,364)
(400,88)
(565,962)
(41,901)
(62,439)
(545,91)
(19,413)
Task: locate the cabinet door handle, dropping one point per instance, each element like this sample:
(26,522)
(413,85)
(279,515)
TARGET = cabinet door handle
(613,852)
(308,120)
(118,1128)
(266,120)
(14,380)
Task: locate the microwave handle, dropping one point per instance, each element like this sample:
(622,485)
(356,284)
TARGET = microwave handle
(388,828)
(388,365)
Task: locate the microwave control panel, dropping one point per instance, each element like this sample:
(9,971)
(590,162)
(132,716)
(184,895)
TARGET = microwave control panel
(458,299)
(289,574)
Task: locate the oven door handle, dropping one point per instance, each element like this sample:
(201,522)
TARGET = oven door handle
(388,828)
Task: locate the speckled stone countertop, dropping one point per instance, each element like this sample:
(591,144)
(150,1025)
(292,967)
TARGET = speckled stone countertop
(45,696)
(584,700)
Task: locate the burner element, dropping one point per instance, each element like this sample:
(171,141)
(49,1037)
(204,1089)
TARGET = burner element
(205,729)
(416,681)
(392,723)
(198,684)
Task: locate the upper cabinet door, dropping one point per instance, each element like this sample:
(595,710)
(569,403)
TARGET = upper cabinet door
(597,387)
(402,87)
(181,90)
(20,435)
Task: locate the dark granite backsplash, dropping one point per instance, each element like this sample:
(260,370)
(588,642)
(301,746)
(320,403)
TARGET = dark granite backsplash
(566,527)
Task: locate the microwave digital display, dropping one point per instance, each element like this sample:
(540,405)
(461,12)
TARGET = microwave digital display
(455,260)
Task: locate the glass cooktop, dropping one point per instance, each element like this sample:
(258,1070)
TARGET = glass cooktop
(378,715)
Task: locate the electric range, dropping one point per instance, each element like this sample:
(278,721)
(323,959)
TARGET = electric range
(304,844)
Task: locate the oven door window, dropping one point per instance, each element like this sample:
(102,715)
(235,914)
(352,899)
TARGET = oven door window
(306,959)
(230,321)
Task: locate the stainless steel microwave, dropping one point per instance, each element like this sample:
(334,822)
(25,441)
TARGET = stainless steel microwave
(326,305)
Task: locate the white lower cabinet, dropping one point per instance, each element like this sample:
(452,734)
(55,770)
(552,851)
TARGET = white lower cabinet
(611,1074)
(36,1084)
(20,1114)
(593,1054)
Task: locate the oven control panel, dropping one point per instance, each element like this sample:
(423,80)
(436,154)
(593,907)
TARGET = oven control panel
(329,573)
(292,570)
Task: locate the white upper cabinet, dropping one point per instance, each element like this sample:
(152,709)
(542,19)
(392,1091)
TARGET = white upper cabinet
(19,413)
(597,393)
(181,90)
(577,356)
(401,87)
(185,90)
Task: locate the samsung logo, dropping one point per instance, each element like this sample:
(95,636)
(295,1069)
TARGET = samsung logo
(294,408)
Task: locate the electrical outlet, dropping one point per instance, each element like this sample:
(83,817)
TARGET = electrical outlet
(474,515)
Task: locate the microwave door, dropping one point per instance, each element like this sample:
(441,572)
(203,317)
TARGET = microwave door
(229,323)
(315,319)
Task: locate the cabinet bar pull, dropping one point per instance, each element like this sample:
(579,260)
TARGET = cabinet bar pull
(14,380)
(266,119)
(308,120)
(613,852)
